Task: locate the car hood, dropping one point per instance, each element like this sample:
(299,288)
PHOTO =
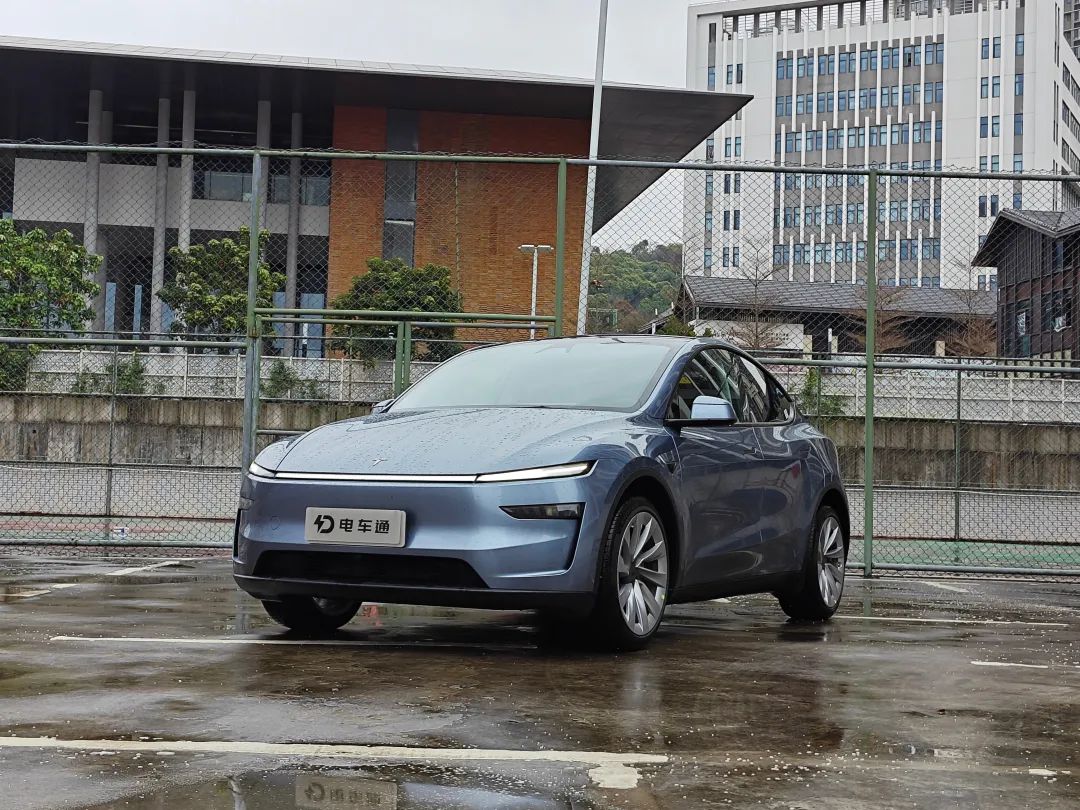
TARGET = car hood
(451,441)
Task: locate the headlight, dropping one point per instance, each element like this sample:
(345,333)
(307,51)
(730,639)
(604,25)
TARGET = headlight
(545,511)
(260,471)
(537,473)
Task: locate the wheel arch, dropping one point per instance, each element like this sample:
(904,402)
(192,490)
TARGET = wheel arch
(834,497)
(649,485)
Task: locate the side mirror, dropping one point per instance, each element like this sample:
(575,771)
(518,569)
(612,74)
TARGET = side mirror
(382,407)
(712,409)
(708,412)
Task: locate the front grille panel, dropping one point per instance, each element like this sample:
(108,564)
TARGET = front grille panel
(368,569)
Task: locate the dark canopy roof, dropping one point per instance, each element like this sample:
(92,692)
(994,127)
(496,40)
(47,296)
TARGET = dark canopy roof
(1053,224)
(661,124)
(824,297)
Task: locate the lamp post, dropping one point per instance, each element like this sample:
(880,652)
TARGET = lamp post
(535,250)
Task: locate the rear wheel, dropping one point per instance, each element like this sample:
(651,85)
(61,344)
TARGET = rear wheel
(817,596)
(634,576)
(312,615)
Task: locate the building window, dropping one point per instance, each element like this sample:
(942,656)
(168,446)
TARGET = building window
(725,257)
(984,87)
(995,163)
(738,73)
(997,47)
(1019,44)
(735,257)
(736,219)
(1019,89)
(729,74)
(738,183)
(708,221)
(710,148)
(707,259)
(1018,200)
(727,147)
(995,126)
(1018,124)
(986,48)
(984,126)
(982,206)
(708,184)
(399,187)
(738,146)
(993,205)
(995,89)
(982,164)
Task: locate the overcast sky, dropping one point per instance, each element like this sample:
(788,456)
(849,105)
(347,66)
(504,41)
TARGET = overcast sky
(646,38)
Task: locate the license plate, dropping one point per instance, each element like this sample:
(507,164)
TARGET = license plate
(355,527)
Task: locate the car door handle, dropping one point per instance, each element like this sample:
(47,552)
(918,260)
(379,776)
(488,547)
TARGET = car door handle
(748,448)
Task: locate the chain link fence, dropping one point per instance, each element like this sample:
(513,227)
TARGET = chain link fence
(956,361)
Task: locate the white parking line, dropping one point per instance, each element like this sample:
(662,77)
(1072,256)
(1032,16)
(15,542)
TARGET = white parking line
(1008,664)
(919,620)
(291,642)
(943,586)
(609,770)
(123,572)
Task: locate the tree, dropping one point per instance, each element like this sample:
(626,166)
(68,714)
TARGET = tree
(391,285)
(46,282)
(890,334)
(975,334)
(208,293)
(284,383)
(753,329)
(628,287)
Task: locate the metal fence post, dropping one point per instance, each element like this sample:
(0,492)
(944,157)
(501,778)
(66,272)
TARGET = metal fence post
(251,365)
(956,467)
(399,357)
(560,247)
(871,328)
(406,355)
(111,451)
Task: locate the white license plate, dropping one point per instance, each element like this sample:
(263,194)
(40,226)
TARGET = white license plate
(355,527)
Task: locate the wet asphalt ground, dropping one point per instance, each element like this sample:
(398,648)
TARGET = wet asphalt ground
(123,686)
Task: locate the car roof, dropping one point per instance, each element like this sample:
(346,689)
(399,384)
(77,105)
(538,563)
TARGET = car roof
(670,340)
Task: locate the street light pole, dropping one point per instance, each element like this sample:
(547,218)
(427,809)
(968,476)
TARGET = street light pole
(535,250)
(590,183)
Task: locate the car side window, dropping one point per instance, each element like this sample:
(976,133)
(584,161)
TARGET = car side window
(756,388)
(783,405)
(709,373)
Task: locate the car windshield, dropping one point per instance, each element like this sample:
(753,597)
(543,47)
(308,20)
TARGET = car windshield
(608,374)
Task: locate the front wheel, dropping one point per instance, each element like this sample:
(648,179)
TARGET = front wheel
(634,575)
(817,595)
(311,615)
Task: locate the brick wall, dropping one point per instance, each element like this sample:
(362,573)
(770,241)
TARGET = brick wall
(356,196)
(470,217)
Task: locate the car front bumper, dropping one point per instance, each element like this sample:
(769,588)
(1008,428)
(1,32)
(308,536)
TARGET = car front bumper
(461,548)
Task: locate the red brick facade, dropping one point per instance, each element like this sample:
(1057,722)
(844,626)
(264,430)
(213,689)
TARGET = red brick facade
(470,217)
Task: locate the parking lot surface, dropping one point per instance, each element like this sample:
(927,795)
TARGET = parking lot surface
(156,684)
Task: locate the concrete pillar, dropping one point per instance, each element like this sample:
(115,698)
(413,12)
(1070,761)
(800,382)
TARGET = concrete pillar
(161,206)
(187,162)
(292,244)
(90,209)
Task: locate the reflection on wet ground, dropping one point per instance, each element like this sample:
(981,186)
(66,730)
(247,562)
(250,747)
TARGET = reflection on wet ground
(386,789)
(918,695)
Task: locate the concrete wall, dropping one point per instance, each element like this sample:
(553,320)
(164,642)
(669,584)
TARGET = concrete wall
(205,432)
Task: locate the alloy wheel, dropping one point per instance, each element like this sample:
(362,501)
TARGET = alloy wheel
(831,560)
(642,572)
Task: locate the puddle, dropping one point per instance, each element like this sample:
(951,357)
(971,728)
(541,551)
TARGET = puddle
(390,788)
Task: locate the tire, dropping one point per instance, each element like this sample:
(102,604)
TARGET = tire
(631,594)
(817,595)
(310,615)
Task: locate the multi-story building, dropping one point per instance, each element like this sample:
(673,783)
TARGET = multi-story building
(325,217)
(1072,24)
(985,85)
